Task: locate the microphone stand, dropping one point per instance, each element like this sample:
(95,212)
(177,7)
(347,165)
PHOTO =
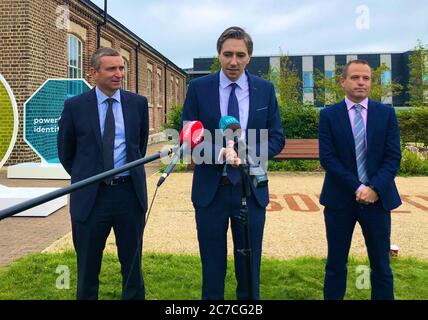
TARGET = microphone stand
(244,169)
(10,211)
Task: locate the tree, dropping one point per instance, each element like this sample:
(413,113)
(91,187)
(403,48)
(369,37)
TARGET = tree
(287,82)
(328,89)
(380,90)
(418,79)
(215,66)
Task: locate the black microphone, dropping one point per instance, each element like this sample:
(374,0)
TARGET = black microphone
(191,135)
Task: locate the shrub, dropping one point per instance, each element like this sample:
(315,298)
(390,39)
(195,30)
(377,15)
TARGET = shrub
(173,118)
(413,125)
(300,121)
(294,165)
(413,162)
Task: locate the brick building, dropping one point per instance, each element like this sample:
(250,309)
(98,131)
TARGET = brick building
(47,39)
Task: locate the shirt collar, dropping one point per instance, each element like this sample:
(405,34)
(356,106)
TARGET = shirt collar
(350,103)
(102,97)
(242,82)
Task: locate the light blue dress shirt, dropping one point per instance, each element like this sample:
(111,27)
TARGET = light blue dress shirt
(242,94)
(119,139)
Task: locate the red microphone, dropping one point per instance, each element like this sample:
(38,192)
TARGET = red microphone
(191,135)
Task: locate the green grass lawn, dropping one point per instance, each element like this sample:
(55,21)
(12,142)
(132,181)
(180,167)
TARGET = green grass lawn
(170,277)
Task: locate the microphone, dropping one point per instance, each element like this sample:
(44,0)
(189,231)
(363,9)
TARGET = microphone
(191,135)
(257,174)
(228,125)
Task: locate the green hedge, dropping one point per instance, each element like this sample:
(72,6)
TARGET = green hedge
(413,125)
(300,121)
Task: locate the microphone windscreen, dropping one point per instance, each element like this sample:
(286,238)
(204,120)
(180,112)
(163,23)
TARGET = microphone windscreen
(229,122)
(193,133)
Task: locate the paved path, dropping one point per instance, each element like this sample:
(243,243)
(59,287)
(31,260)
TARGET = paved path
(20,236)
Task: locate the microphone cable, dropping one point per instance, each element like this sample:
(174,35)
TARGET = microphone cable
(140,241)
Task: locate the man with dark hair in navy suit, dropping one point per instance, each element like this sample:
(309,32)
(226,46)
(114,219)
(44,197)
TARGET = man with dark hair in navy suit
(100,130)
(359,142)
(216,190)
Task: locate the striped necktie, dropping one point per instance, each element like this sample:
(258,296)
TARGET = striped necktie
(360,144)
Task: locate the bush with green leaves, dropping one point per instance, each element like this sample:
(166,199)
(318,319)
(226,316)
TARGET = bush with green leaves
(414,162)
(300,121)
(413,125)
(173,118)
(295,165)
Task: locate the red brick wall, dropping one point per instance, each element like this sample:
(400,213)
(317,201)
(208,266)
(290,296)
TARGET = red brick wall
(33,49)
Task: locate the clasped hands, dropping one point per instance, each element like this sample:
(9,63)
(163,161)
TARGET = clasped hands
(231,156)
(366,195)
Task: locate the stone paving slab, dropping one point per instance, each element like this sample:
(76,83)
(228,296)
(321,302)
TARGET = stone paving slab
(20,236)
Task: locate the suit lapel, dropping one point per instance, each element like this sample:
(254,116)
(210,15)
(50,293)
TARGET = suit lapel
(215,98)
(253,96)
(346,125)
(128,115)
(94,117)
(371,122)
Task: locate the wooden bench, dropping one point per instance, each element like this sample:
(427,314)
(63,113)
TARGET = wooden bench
(299,149)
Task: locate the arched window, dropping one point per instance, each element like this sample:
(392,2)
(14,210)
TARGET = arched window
(125,83)
(74,57)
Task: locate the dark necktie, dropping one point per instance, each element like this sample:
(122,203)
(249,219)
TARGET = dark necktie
(233,110)
(108,139)
(233,105)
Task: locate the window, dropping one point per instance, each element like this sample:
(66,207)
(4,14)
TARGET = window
(150,86)
(159,87)
(125,84)
(385,78)
(172,90)
(74,57)
(176,90)
(329,74)
(308,82)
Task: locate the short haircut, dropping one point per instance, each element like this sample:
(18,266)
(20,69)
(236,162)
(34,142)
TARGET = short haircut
(357,61)
(102,52)
(235,33)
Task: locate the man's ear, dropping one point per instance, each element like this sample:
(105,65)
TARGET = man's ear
(93,72)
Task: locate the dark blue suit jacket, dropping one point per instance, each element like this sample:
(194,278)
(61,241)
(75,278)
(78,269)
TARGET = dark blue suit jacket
(80,145)
(203,103)
(337,155)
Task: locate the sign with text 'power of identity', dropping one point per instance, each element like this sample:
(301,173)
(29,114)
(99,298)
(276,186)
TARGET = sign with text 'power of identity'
(42,112)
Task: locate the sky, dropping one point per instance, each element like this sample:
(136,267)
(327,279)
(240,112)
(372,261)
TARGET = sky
(185,29)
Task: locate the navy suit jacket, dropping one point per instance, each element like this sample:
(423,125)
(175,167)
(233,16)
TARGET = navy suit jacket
(203,103)
(80,146)
(337,155)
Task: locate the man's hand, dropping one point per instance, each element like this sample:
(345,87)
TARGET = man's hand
(366,195)
(231,156)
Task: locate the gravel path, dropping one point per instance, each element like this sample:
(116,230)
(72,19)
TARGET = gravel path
(294,224)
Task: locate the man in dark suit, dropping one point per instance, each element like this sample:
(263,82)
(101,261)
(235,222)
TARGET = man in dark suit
(216,190)
(100,130)
(359,143)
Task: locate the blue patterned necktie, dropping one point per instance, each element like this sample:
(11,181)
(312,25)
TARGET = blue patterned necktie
(233,105)
(360,144)
(233,110)
(108,139)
